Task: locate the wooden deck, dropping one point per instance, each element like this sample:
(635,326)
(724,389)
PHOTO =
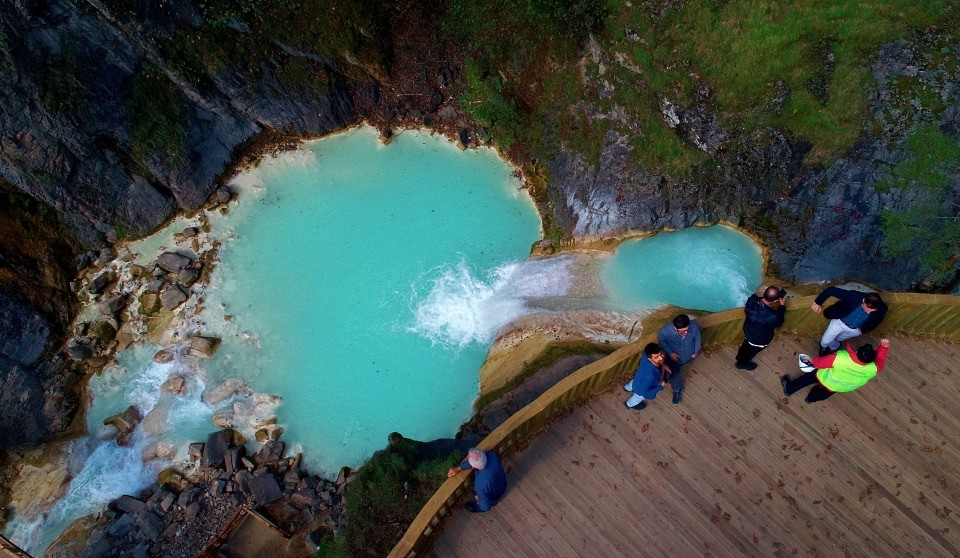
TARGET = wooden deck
(738,470)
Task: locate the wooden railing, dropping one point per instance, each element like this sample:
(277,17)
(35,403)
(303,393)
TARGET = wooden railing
(910,313)
(10,550)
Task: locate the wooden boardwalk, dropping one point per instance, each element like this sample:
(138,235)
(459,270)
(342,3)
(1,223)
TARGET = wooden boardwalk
(737,469)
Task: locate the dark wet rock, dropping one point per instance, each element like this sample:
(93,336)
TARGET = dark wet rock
(232,459)
(112,305)
(128,504)
(172,297)
(100,282)
(215,450)
(223,194)
(270,453)
(173,261)
(264,489)
(150,525)
(187,277)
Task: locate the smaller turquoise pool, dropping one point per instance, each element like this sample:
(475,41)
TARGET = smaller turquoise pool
(708,268)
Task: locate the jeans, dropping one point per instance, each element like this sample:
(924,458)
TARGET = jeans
(837,332)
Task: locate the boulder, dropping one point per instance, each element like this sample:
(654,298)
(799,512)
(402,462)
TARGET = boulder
(172,297)
(226,390)
(265,489)
(151,525)
(128,504)
(78,350)
(223,194)
(188,496)
(155,285)
(304,498)
(100,282)
(195,450)
(150,302)
(137,270)
(232,459)
(188,276)
(192,511)
(216,447)
(244,478)
(177,385)
(223,418)
(103,330)
(155,423)
(164,356)
(203,347)
(112,305)
(105,256)
(126,421)
(173,262)
(271,452)
(161,449)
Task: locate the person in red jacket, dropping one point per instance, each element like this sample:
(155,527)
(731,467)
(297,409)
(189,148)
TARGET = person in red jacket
(843,371)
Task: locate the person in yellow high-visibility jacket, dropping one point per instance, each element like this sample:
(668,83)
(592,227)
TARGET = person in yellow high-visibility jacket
(843,371)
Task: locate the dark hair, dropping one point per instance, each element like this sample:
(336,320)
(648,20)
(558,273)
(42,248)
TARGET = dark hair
(772,293)
(652,349)
(681,321)
(872,300)
(866,353)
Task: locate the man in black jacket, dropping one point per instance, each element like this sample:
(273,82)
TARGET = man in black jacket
(763,315)
(855,313)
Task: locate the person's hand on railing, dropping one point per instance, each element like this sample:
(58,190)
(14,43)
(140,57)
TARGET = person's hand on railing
(453,471)
(815,307)
(884,342)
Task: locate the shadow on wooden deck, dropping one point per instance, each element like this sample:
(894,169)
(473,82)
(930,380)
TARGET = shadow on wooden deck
(738,469)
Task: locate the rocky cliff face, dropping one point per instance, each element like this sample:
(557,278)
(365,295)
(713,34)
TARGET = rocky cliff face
(118,115)
(819,222)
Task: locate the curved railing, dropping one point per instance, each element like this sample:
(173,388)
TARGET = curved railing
(910,313)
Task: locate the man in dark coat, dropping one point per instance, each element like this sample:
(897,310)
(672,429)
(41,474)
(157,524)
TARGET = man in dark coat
(854,313)
(763,315)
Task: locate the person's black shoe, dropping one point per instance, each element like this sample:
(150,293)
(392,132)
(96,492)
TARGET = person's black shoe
(747,365)
(783,383)
(824,351)
(677,395)
(472,507)
(638,407)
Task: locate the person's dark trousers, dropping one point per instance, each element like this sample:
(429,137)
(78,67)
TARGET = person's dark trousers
(818,393)
(676,380)
(747,352)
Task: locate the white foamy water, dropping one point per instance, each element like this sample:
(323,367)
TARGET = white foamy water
(460,308)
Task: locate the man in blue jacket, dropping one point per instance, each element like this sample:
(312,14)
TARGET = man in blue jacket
(855,313)
(490,481)
(681,341)
(648,380)
(762,316)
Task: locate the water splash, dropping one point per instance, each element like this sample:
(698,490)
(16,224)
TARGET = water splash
(463,306)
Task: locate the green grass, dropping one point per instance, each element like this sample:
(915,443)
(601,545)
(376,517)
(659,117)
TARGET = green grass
(740,48)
